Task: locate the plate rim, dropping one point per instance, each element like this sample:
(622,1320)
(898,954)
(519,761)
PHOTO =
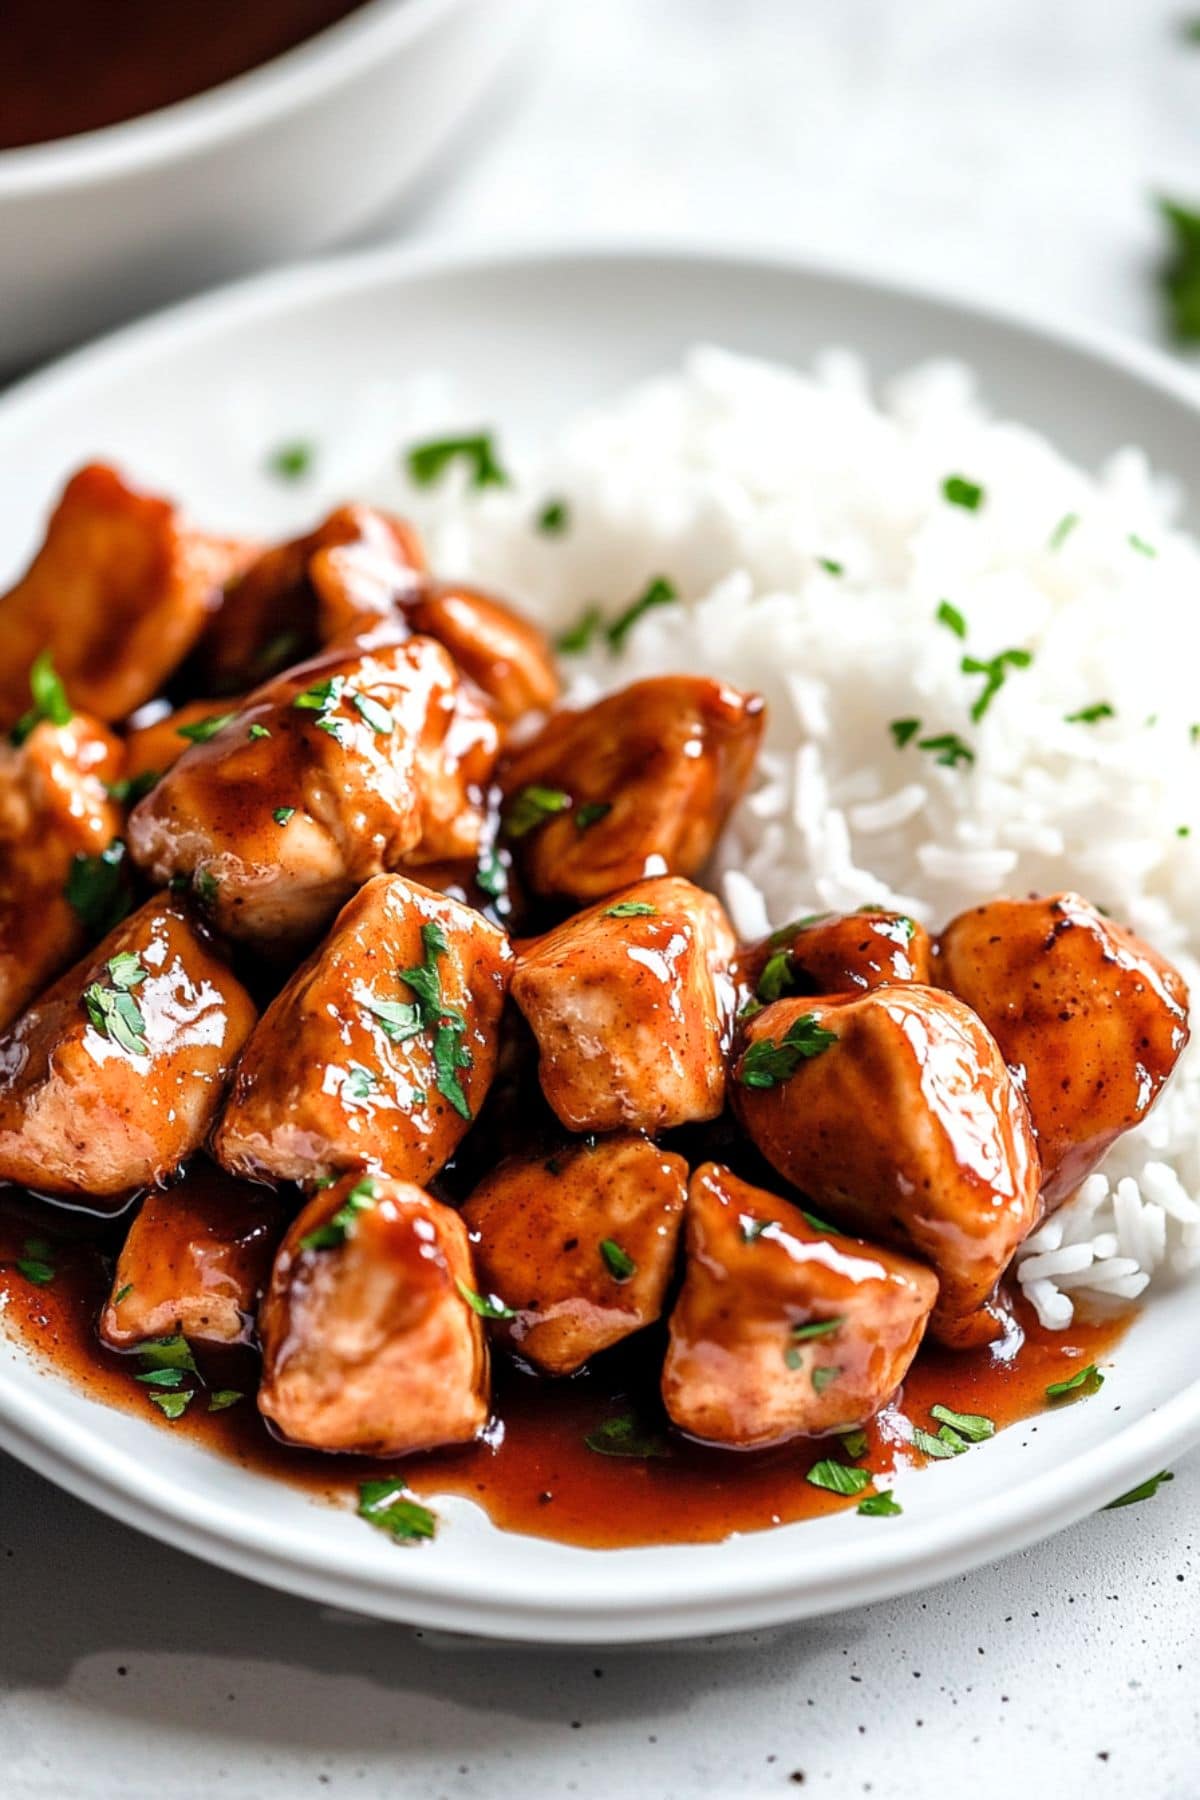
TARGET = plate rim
(666,1605)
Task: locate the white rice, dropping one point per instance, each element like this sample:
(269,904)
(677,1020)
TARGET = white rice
(734,479)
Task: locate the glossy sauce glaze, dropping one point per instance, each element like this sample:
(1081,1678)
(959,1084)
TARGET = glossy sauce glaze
(533,1472)
(75,65)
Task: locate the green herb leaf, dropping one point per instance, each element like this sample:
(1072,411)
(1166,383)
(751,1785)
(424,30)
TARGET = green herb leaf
(778,977)
(376,716)
(994,671)
(1145,1490)
(259,731)
(427,463)
(1078,1386)
(816,1328)
(450,1053)
(132,788)
(961,492)
(492,873)
(949,749)
(626,1436)
(1091,715)
(173,1406)
(1141,546)
(390,1507)
(167,1353)
(819,1224)
(952,619)
(823,1378)
(360,1083)
(554,518)
(282,814)
(49,699)
(291,462)
(659,592)
(854,1443)
(531,806)
(937,1447)
(204,729)
(904,730)
(98,889)
(631,909)
(830,567)
(618,1262)
(125,970)
(975,1427)
(161,1378)
(578,637)
(397,1019)
(322,698)
(1063,530)
(122,1293)
(113,1011)
(221,1399)
(488,1306)
(35,1264)
(880,1506)
(591,813)
(1179,272)
(838,1478)
(766,1063)
(206,887)
(361,1198)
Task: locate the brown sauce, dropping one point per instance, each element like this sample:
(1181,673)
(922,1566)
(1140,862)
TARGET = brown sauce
(535,1473)
(75,65)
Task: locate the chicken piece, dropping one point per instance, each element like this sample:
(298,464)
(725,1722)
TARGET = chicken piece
(894,1112)
(579,1245)
(195,1261)
(630,1003)
(119,592)
(836,953)
(344,767)
(501,652)
(113,1077)
(1091,1018)
(151,749)
(381,1048)
(370,1342)
(60,882)
(639,784)
(780,1328)
(269,616)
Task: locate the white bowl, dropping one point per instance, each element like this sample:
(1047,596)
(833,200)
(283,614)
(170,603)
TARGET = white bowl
(190,403)
(297,154)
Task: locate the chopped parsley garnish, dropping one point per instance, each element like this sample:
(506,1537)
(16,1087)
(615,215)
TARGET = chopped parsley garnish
(173,1406)
(778,977)
(904,730)
(531,806)
(1145,1490)
(854,1443)
(360,1083)
(631,909)
(427,463)
(221,1399)
(948,749)
(812,1220)
(961,492)
(282,814)
(1091,715)
(397,1019)
(376,716)
(626,1436)
(838,1478)
(291,462)
(994,671)
(659,592)
(882,1505)
(1141,546)
(823,1378)
(1063,530)
(206,887)
(816,1328)
(322,698)
(591,813)
(132,788)
(1078,1386)
(35,1264)
(161,1378)
(390,1507)
(167,1353)
(203,729)
(450,1054)
(113,1011)
(336,1230)
(98,888)
(830,566)
(122,1293)
(766,1063)
(946,1443)
(578,637)
(259,731)
(618,1262)
(488,1306)
(975,1427)
(554,518)
(492,874)
(1179,273)
(49,699)
(951,618)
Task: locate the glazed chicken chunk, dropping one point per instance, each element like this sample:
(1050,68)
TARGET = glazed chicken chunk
(113,1077)
(269,615)
(151,748)
(61,882)
(369,1339)
(895,1114)
(781,1329)
(118,593)
(630,1002)
(639,784)
(380,1049)
(345,767)
(1090,1017)
(195,1261)
(836,953)
(578,1245)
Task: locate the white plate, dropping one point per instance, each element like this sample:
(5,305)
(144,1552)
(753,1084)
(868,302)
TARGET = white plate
(534,337)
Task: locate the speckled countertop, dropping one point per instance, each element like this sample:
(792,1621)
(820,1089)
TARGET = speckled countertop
(1004,150)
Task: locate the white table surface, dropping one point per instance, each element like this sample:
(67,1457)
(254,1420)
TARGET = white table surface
(1005,150)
